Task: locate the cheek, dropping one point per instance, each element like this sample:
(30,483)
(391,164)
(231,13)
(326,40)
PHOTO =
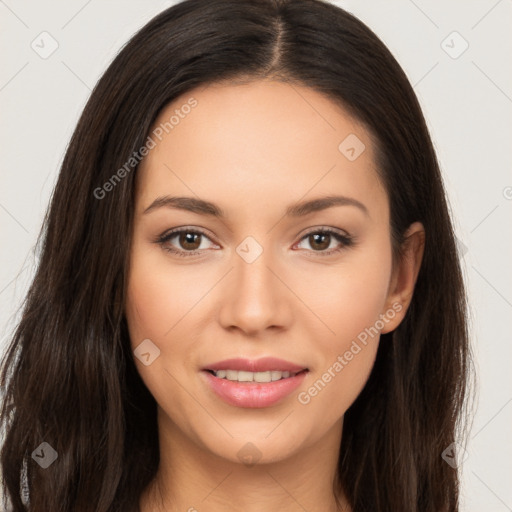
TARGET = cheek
(347,358)
(158,296)
(158,301)
(157,305)
(350,297)
(150,300)
(350,301)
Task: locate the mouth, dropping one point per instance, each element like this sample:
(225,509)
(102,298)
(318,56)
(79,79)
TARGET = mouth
(253,383)
(259,377)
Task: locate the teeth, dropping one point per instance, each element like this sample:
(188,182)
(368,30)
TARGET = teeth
(242,376)
(263,376)
(245,376)
(232,374)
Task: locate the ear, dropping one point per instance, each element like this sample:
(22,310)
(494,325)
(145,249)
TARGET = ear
(404,275)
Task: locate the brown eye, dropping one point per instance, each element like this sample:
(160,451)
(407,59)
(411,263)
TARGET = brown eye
(321,241)
(184,242)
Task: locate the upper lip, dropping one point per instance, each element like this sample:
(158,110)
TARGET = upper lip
(264,364)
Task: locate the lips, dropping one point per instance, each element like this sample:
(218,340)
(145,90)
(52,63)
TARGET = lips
(264,364)
(254,394)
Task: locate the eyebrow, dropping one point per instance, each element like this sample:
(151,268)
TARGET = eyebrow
(300,209)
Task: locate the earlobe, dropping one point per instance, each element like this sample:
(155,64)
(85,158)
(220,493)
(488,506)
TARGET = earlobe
(405,274)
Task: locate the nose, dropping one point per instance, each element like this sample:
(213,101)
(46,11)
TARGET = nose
(255,297)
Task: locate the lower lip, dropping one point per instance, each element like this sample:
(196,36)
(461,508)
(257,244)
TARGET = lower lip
(253,394)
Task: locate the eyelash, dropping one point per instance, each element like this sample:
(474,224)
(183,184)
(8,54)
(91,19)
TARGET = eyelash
(345,240)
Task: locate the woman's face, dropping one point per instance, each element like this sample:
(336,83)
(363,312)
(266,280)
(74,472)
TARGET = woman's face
(262,279)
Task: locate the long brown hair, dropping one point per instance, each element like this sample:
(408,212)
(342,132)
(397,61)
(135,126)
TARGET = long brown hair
(68,376)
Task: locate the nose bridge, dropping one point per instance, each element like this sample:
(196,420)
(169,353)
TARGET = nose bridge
(254,300)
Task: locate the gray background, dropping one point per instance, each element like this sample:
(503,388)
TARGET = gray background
(467,100)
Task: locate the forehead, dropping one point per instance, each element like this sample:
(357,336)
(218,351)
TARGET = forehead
(263,142)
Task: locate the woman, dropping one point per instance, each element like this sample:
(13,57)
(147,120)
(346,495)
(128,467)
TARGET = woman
(248,296)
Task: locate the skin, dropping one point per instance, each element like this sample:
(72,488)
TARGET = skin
(253,150)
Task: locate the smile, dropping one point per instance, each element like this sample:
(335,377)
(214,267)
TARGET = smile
(244,389)
(243,376)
